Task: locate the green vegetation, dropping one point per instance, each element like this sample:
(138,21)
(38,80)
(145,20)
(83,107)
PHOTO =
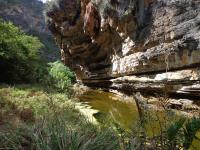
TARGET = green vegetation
(19,54)
(40,113)
(43,119)
(49,50)
(21,61)
(163,129)
(172,134)
(60,76)
(36,117)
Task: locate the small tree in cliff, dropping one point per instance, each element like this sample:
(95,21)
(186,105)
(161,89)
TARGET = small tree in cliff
(19,54)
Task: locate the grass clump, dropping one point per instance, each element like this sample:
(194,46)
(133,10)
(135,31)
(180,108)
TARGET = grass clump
(34,117)
(57,124)
(166,129)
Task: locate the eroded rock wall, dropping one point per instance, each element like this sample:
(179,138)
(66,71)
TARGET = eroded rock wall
(131,45)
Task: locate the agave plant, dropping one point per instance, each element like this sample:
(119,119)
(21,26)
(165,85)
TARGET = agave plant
(173,131)
(190,130)
(182,133)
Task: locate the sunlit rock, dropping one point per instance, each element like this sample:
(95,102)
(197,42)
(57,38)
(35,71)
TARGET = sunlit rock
(133,45)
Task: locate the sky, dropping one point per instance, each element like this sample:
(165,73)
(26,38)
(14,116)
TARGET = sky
(43,0)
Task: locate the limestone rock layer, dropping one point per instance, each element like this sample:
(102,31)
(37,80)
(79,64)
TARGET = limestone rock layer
(131,45)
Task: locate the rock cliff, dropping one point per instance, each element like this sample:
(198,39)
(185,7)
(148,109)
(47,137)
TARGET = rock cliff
(151,46)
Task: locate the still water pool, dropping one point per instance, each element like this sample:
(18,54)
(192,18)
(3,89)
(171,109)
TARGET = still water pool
(125,112)
(110,106)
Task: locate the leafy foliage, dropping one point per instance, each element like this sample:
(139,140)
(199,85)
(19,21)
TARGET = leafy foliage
(15,44)
(174,128)
(19,54)
(174,132)
(60,76)
(21,62)
(59,125)
(50,51)
(184,131)
(190,131)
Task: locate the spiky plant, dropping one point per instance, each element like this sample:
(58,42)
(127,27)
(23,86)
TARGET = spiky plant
(190,131)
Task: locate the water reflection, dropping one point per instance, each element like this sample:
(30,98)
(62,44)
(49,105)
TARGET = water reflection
(126,114)
(110,105)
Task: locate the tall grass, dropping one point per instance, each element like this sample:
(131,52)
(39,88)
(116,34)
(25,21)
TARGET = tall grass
(169,130)
(55,132)
(58,125)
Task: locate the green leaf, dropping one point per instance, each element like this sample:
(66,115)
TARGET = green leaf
(173,130)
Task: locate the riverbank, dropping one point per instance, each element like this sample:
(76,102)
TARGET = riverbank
(186,107)
(37,117)
(155,120)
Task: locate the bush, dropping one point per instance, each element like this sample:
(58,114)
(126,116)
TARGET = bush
(21,62)
(60,76)
(19,54)
(58,124)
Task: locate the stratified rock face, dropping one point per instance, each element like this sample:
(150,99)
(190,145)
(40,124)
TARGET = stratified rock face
(131,45)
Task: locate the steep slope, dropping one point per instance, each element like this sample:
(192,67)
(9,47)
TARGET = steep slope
(152,46)
(28,14)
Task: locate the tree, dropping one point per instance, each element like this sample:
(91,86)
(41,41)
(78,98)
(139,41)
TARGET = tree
(19,54)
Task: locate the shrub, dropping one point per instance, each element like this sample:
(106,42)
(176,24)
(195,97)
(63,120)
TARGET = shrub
(60,76)
(19,54)
(21,62)
(57,123)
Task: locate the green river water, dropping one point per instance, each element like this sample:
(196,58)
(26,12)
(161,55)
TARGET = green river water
(125,113)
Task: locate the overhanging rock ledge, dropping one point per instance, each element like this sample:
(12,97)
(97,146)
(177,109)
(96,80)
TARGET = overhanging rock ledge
(149,46)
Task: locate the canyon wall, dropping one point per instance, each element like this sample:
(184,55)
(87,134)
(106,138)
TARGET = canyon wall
(151,46)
